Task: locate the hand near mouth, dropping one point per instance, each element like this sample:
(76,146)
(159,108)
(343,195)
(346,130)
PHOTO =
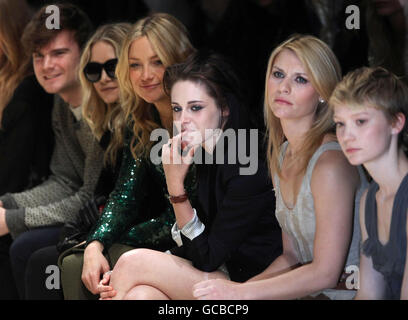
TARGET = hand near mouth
(176,163)
(190,139)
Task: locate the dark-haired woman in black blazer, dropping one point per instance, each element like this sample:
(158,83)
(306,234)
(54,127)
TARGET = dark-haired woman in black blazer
(232,233)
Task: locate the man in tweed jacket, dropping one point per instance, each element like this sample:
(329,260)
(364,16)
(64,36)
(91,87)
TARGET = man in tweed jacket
(32,219)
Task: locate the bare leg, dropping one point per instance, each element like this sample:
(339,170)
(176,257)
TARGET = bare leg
(169,274)
(144,292)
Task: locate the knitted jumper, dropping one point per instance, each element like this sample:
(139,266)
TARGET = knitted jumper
(75,168)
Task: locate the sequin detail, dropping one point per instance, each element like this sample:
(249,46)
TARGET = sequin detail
(137,212)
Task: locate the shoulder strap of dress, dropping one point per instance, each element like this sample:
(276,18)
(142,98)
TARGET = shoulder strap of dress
(400,208)
(282,152)
(333,145)
(370,214)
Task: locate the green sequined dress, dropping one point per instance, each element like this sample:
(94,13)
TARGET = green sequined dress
(137,212)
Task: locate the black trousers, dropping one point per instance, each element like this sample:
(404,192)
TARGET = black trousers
(8,289)
(40,283)
(14,257)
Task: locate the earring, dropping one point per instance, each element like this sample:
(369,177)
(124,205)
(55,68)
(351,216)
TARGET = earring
(321,100)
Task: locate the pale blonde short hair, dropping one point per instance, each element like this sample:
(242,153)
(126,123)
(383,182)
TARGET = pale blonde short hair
(375,87)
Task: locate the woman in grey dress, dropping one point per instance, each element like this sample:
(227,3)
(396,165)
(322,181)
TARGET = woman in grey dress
(370,111)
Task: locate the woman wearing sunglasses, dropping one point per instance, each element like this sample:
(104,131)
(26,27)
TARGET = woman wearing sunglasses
(101,109)
(137,213)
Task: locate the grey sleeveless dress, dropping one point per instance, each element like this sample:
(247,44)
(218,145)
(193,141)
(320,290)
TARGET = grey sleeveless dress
(299,222)
(388,259)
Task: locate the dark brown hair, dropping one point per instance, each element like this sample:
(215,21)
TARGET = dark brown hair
(213,72)
(72,18)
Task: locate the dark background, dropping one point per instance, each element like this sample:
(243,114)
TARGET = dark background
(244,30)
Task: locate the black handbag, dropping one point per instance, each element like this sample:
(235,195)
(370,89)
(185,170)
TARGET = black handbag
(73,233)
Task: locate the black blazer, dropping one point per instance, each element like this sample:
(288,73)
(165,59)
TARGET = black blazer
(241,229)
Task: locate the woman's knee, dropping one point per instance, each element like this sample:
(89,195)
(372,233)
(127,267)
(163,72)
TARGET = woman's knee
(144,292)
(136,259)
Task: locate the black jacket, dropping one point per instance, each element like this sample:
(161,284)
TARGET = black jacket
(26,138)
(238,212)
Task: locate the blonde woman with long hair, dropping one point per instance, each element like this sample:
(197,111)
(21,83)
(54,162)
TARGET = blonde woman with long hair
(137,213)
(314,184)
(25,109)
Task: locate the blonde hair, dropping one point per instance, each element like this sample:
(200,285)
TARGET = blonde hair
(377,88)
(169,39)
(324,72)
(99,115)
(14,63)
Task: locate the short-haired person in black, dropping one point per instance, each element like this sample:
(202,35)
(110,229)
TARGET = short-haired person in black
(232,233)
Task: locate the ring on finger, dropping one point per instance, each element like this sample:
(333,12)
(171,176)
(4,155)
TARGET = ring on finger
(108,273)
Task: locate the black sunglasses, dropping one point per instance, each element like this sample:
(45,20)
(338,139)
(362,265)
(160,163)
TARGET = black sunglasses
(93,70)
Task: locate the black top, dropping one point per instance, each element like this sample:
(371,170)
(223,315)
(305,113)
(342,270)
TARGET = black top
(26,138)
(388,259)
(237,210)
(110,172)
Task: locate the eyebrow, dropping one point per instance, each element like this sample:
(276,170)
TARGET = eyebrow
(151,58)
(279,69)
(60,49)
(362,113)
(52,51)
(355,115)
(189,102)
